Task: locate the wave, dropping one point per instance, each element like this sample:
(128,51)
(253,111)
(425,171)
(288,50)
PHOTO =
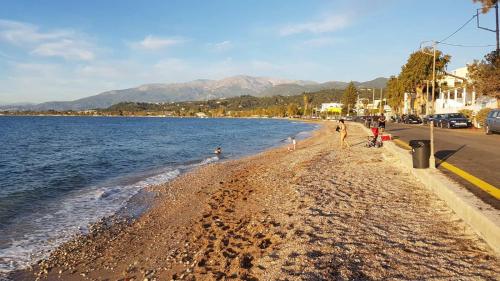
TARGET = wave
(32,237)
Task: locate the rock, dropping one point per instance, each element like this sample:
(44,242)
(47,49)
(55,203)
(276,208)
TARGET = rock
(246,261)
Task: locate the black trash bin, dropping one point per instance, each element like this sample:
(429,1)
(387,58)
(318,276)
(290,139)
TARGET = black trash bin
(420,152)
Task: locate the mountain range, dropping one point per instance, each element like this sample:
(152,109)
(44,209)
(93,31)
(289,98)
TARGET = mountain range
(196,90)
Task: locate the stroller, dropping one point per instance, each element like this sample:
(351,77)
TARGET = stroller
(375,140)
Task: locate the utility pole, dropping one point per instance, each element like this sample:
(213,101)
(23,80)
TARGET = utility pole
(357,105)
(373,100)
(381,103)
(497,29)
(432,159)
(427,98)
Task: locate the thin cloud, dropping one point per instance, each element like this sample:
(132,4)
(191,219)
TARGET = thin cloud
(155,43)
(221,46)
(65,44)
(67,49)
(321,42)
(101,71)
(327,24)
(17,33)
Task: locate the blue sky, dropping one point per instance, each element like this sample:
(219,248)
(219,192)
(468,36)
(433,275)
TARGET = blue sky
(64,50)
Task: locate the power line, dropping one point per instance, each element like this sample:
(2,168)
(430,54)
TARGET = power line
(467,46)
(456,31)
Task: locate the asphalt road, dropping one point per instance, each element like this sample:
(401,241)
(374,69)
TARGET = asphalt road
(468,149)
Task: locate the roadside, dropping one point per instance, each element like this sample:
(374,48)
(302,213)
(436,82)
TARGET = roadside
(477,154)
(317,213)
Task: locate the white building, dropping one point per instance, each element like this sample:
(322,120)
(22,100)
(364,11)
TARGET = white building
(372,105)
(201,115)
(331,107)
(453,80)
(455,94)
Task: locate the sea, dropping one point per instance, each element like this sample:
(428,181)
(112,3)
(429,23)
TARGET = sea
(60,174)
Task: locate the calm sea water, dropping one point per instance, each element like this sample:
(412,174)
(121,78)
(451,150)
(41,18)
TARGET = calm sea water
(58,174)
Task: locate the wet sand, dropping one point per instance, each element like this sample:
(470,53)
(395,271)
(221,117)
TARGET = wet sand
(317,213)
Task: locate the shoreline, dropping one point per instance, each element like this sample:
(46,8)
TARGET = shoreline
(127,214)
(304,120)
(277,214)
(157,116)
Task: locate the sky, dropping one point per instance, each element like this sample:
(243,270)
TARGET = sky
(65,50)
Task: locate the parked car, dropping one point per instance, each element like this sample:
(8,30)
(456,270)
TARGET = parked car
(492,122)
(397,118)
(436,119)
(427,119)
(359,119)
(412,119)
(454,120)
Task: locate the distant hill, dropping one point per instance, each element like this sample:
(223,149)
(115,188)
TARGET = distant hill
(197,90)
(378,83)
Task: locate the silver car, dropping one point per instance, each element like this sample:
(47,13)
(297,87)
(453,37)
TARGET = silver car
(492,123)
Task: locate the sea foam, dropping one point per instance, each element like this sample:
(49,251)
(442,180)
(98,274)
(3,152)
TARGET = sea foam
(72,215)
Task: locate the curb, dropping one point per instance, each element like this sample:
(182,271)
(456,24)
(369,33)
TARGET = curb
(482,218)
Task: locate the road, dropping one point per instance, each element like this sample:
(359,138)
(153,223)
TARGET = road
(469,150)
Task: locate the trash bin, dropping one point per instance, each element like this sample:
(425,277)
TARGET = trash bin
(420,152)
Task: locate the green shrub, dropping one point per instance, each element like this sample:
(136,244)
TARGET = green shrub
(481,116)
(466,112)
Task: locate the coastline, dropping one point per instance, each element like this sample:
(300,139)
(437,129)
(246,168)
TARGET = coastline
(107,227)
(264,216)
(141,202)
(167,116)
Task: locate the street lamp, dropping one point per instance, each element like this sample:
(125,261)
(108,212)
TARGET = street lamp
(432,159)
(373,99)
(381,100)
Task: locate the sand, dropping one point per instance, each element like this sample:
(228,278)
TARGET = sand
(317,213)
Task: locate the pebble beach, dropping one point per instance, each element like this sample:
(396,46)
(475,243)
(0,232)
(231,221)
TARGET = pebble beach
(315,213)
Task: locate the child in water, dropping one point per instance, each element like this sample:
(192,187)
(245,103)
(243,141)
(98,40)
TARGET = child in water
(293,144)
(218,150)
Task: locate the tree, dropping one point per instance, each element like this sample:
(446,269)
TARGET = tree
(482,115)
(487,4)
(349,97)
(292,110)
(395,93)
(365,106)
(220,112)
(307,103)
(485,75)
(419,68)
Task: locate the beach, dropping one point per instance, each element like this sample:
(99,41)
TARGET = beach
(316,213)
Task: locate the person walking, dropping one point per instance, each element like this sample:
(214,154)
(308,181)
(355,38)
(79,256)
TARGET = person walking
(343,134)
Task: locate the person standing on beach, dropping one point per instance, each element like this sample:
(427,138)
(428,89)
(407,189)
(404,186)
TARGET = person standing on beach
(381,122)
(343,134)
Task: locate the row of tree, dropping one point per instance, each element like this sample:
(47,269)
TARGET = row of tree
(242,106)
(416,73)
